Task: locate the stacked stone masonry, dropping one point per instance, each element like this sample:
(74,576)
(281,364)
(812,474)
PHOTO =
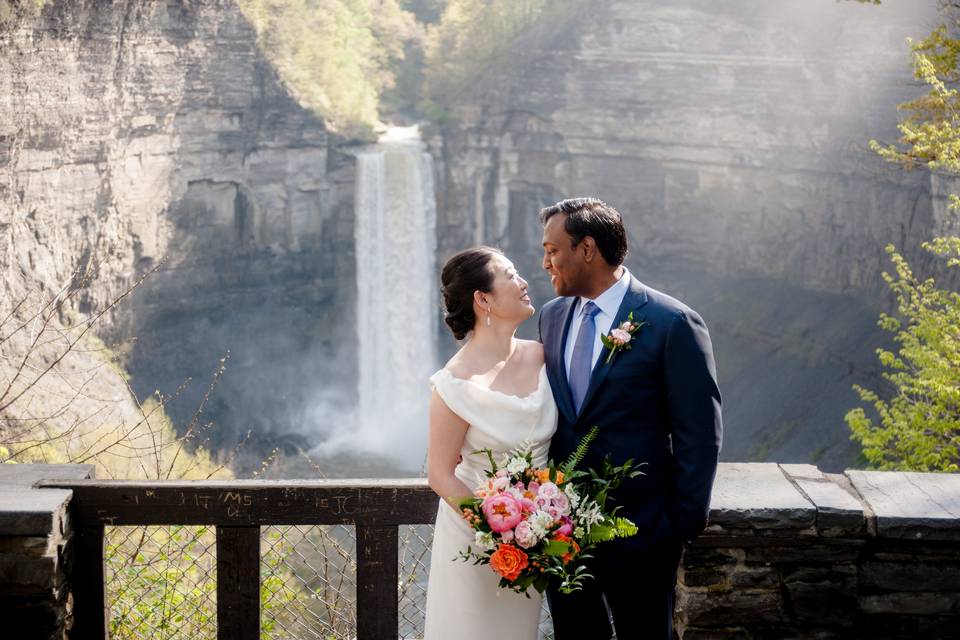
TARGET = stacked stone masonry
(791,552)
(35,550)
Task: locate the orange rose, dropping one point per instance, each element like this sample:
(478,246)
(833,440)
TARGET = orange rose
(508,561)
(543,475)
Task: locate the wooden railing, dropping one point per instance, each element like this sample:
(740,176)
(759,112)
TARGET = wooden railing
(237,509)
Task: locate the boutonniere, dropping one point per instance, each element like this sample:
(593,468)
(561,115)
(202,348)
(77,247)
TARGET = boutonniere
(619,338)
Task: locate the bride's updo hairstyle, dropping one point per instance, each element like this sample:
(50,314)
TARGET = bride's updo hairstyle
(464,273)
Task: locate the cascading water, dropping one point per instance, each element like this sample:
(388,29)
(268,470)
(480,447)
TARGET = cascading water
(396,295)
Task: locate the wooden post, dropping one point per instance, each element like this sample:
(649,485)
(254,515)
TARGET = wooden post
(88,584)
(238,583)
(377,579)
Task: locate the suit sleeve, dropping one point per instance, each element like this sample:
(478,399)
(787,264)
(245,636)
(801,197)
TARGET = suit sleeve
(540,326)
(693,404)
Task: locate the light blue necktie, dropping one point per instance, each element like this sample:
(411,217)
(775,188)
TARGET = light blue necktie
(581,364)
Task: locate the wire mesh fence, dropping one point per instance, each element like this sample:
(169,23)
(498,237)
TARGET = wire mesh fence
(308,582)
(161,582)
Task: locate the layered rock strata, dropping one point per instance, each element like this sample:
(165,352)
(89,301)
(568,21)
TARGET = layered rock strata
(733,138)
(140,134)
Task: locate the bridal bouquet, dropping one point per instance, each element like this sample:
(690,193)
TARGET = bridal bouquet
(536,524)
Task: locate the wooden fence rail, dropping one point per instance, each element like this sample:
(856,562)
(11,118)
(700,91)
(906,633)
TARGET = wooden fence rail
(238,509)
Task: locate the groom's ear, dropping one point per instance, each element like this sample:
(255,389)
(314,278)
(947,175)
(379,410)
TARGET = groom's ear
(588,248)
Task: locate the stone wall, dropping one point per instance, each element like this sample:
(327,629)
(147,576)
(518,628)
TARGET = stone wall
(35,550)
(791,552)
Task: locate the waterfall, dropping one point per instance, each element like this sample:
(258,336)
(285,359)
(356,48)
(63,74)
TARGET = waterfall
(397,295)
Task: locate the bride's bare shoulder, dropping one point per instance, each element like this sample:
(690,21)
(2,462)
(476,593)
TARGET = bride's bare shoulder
(460,366)
(533,350)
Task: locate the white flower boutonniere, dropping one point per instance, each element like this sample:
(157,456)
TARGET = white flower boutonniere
(619,338)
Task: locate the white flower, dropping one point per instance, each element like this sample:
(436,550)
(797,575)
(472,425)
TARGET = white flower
(540,522)
(522,452)
(589,514)
(578,532)
(484,540)
(572,495)
(516,465)
(525,535)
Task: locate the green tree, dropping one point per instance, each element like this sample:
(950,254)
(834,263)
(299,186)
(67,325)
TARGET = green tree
(334,55)
(473,38)
(917,425)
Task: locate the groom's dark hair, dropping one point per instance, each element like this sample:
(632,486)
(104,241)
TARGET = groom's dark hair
(595,218)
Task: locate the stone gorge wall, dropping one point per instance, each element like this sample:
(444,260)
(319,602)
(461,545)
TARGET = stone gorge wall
(137,131)
(733,138)
(732,135)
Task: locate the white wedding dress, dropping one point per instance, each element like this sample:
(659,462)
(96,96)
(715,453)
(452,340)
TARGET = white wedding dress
(463,599)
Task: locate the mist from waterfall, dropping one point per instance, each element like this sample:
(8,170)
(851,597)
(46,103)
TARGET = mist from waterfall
(396,299)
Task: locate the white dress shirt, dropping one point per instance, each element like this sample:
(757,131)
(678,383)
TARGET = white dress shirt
(609,303)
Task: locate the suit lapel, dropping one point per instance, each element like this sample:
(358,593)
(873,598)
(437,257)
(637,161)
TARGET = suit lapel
(635,298)
(558,373)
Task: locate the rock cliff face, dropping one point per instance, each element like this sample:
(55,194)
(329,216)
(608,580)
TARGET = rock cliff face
(733,138)
(138,131)
(732,135)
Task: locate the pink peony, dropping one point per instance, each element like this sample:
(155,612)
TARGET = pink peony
(524,535)
(502,512)
(548,491)
(562,502)
(566,528)
(528,506)
(620,336)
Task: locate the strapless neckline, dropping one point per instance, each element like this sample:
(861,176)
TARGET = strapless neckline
(529,396)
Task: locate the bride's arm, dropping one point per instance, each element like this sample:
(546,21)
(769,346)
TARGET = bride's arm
(447,431)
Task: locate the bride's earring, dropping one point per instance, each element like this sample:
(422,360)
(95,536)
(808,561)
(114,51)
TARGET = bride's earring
(488,317)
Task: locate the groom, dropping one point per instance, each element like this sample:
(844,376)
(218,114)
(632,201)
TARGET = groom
(657,403)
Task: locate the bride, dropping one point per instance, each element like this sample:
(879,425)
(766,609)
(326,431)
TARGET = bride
(492,394)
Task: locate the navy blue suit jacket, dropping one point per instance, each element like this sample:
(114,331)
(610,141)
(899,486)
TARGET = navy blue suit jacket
(657,403)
